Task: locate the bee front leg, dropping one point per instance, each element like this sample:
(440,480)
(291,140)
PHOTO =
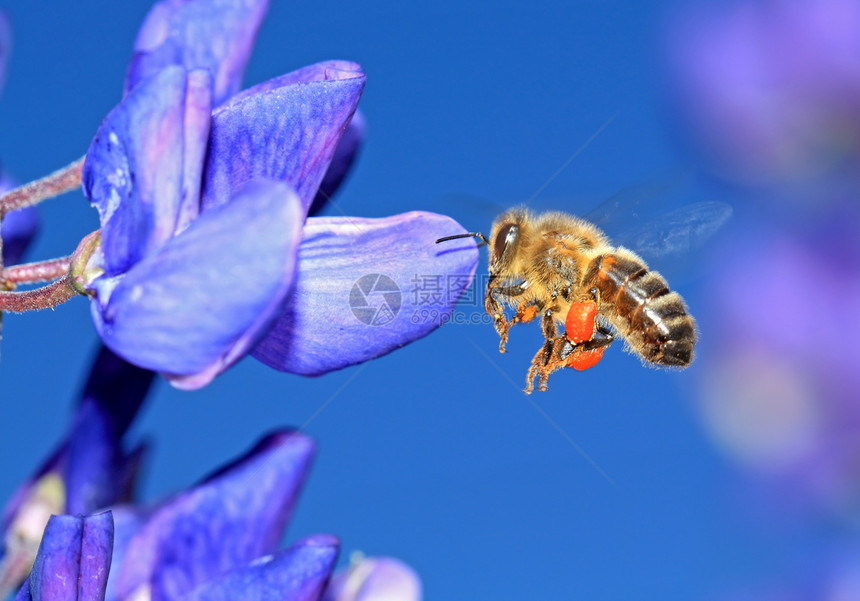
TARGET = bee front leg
(494,309)
(542,363)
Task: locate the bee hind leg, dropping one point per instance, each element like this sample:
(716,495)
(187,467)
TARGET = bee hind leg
(549,359)
(542,363)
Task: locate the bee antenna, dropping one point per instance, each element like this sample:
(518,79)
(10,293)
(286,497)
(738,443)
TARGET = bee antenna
(478,235)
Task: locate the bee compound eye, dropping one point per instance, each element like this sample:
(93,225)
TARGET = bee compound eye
(507,234)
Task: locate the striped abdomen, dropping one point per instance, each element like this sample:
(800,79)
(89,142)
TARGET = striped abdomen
(638,302)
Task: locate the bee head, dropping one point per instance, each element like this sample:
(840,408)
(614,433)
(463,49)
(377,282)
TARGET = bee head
(505,238)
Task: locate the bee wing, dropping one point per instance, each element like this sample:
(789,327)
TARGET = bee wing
(630,205)
(656,222)
(677,232)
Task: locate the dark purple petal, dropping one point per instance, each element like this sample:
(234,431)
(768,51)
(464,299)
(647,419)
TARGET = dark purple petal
(360,291)
(285,129)
(192,309)
(87,472)
(233,517)
(216,35)
(96,469)
(298,573)
(74,559)
(198,107)
(344,156)
(374,578)
(24,593)
(145,155)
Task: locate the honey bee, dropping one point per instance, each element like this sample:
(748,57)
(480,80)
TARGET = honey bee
(565,270)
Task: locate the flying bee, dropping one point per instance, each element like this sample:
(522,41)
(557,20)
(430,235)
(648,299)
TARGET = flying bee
(565,270)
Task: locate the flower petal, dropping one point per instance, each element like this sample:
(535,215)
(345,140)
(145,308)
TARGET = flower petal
(216,35)
(24,593)
(233,517)
(285,129)
(24,521)
(192,309)
(362,290)
(74,559)
(138,165)
(344,156)
(298,573)
(372,579)
(88,471)
(95,463)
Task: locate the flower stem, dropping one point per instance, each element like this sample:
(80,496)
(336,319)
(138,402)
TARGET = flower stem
(42,298)
(66,179)
(29,273)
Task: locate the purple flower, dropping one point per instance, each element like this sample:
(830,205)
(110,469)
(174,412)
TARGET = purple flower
(88,471)
(342,161)
(203,197)
(770,90)
(73,560)
(231,519)
(780,391)
(216,541)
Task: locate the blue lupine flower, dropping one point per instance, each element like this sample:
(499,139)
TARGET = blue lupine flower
(217,540)
(342,161)
(18,227)
(231,519)
(89,470)
(770,90)
(782,405)
(73,560)
(202,211)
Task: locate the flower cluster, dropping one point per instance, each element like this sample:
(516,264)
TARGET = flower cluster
(208,251)
(770,93)
(217,540)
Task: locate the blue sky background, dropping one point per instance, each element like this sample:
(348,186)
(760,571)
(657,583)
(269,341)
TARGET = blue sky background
(429,454)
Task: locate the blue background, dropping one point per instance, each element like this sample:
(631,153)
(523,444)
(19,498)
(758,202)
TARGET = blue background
(429,454)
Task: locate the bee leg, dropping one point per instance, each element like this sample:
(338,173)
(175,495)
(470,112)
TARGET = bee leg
(494,309)
(542,363)
(526,312)
(538,368)
(549,359)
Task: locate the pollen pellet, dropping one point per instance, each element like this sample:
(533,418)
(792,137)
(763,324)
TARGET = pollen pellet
(582,360)
(528,313)
(579,323)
